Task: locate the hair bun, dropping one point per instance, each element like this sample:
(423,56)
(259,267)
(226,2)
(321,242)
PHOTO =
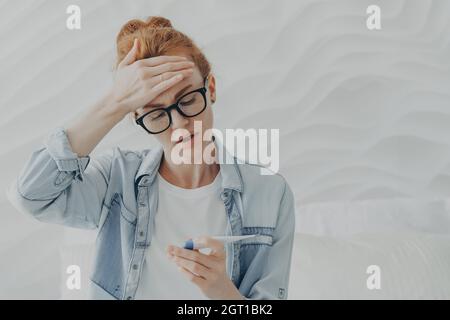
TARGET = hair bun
(130,27)
(158,22)
(135,24)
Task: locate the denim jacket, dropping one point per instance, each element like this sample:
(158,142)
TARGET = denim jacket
(115,193)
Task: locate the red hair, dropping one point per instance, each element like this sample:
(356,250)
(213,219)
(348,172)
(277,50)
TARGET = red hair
(157,37)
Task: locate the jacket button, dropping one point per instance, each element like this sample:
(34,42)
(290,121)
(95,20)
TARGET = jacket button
(129,298)
(141,233)
(135,266)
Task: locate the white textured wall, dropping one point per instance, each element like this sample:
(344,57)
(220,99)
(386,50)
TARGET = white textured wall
(362,114)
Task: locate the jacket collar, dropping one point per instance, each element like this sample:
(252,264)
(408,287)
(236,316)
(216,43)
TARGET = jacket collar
(229,170)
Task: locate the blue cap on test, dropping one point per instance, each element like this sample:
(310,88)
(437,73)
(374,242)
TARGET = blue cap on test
(189,244)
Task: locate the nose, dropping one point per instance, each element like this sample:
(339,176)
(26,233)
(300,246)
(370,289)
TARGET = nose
(178,121)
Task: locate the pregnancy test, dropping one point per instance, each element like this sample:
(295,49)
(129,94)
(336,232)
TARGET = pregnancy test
(191,245)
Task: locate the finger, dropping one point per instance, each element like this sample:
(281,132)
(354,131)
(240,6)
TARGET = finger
(149,91)
(193,267)
(165,84)
(171,66)
(167,75)
(131,55)
(191,255)
(147,73)
(155,61)
(216,246)
(199,281)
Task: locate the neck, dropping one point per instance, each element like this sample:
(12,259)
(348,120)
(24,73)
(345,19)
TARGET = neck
(188,176)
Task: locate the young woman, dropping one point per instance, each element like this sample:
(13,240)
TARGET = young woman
(144,203)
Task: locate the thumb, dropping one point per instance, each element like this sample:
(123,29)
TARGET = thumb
(217,247)
(131,55)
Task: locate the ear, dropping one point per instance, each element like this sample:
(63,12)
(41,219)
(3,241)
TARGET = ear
(212,87)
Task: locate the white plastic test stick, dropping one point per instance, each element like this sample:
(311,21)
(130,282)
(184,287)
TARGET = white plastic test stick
(191,245)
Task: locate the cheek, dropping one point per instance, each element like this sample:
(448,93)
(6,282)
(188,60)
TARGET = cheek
(208,117)
(164,136)
(205,118)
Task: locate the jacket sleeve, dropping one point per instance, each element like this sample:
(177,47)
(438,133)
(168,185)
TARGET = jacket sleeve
(57,186)
(274,280)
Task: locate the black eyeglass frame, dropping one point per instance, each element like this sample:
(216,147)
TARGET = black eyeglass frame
(140,120)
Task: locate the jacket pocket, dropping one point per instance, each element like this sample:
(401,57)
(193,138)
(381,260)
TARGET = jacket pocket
(128,215)
(253,251)
(114,246)
(118,209)
(263,236)
(260,239)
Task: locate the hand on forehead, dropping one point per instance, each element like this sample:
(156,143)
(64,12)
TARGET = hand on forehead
(189,83)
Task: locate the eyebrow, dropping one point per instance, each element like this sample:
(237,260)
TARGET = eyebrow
(154,105)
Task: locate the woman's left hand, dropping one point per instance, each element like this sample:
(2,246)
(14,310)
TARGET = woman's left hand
(207,271)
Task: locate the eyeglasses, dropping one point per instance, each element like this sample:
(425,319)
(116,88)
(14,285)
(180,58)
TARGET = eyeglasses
(189,105)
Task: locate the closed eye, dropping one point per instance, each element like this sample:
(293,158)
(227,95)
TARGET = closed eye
(150,106)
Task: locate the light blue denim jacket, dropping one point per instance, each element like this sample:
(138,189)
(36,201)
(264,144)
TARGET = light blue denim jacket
(115,194)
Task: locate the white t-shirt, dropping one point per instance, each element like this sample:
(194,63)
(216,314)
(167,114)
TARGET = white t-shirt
(181,214)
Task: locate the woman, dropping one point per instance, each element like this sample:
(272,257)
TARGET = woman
(146,203)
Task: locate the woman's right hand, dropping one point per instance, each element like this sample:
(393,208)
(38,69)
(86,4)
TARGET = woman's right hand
(137,83)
